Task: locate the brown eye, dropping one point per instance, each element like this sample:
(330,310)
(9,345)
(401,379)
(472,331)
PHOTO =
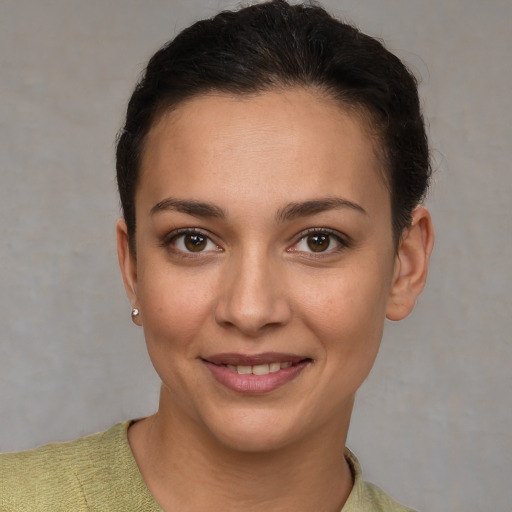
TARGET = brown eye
(195,242)
(192,241)
(318,242)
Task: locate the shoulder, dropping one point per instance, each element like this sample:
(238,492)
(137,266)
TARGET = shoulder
(54,476)
(366,496)
(376,499)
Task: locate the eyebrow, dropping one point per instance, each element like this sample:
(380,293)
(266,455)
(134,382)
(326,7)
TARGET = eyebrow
(289,212)
(315,206)
(194,208)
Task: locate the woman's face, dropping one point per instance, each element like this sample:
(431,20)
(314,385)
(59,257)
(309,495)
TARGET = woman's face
(264,267)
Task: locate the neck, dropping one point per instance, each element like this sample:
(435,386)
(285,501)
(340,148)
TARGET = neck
(187,470)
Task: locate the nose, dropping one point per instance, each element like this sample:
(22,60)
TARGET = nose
(252,296)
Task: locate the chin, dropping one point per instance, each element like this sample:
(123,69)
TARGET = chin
(253,442)
(253,433)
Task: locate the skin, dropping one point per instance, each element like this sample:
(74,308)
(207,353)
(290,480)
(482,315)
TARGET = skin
(258,287)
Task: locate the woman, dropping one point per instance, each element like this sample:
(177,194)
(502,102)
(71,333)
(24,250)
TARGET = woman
(271,170)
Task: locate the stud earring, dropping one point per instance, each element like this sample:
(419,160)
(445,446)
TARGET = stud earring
(135,314)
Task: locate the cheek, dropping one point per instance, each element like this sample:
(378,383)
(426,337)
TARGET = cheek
(346,309)
(175,312)
(346,297)
(175,305)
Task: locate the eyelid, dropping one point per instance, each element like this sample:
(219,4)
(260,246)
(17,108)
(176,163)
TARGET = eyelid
(169,238)
(343,240)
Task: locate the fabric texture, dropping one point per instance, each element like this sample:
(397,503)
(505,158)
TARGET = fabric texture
(98,473)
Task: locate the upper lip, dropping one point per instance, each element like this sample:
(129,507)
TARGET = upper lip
(255,359)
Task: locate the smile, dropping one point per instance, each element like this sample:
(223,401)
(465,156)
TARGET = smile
(259,369)
(255,374)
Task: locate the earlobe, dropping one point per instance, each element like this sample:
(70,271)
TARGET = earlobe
(128,266)
(411,265)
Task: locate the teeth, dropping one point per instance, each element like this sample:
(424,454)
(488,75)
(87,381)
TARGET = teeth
(274,367)
(258,369)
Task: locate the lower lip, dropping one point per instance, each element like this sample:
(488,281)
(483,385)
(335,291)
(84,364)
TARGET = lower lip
(255,384)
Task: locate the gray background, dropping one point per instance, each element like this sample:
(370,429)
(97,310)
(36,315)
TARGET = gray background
(433,424)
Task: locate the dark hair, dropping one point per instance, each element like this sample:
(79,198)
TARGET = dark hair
(272,45)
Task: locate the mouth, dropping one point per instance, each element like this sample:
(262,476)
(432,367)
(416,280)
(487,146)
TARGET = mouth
(256,374)
(258,369)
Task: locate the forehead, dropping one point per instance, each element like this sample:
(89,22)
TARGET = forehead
(271,144)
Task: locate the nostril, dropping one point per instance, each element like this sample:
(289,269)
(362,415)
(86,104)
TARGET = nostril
(252,318)
(252,297)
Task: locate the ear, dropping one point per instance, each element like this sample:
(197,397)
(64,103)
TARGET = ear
(411,265)
(128,266)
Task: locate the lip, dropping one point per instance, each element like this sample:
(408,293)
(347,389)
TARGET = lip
(245,359)
(254,384)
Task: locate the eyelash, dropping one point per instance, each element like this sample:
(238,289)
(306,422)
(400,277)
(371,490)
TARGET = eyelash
(342,241)
(169,241)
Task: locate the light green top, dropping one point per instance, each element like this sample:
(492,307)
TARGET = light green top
(98,473)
